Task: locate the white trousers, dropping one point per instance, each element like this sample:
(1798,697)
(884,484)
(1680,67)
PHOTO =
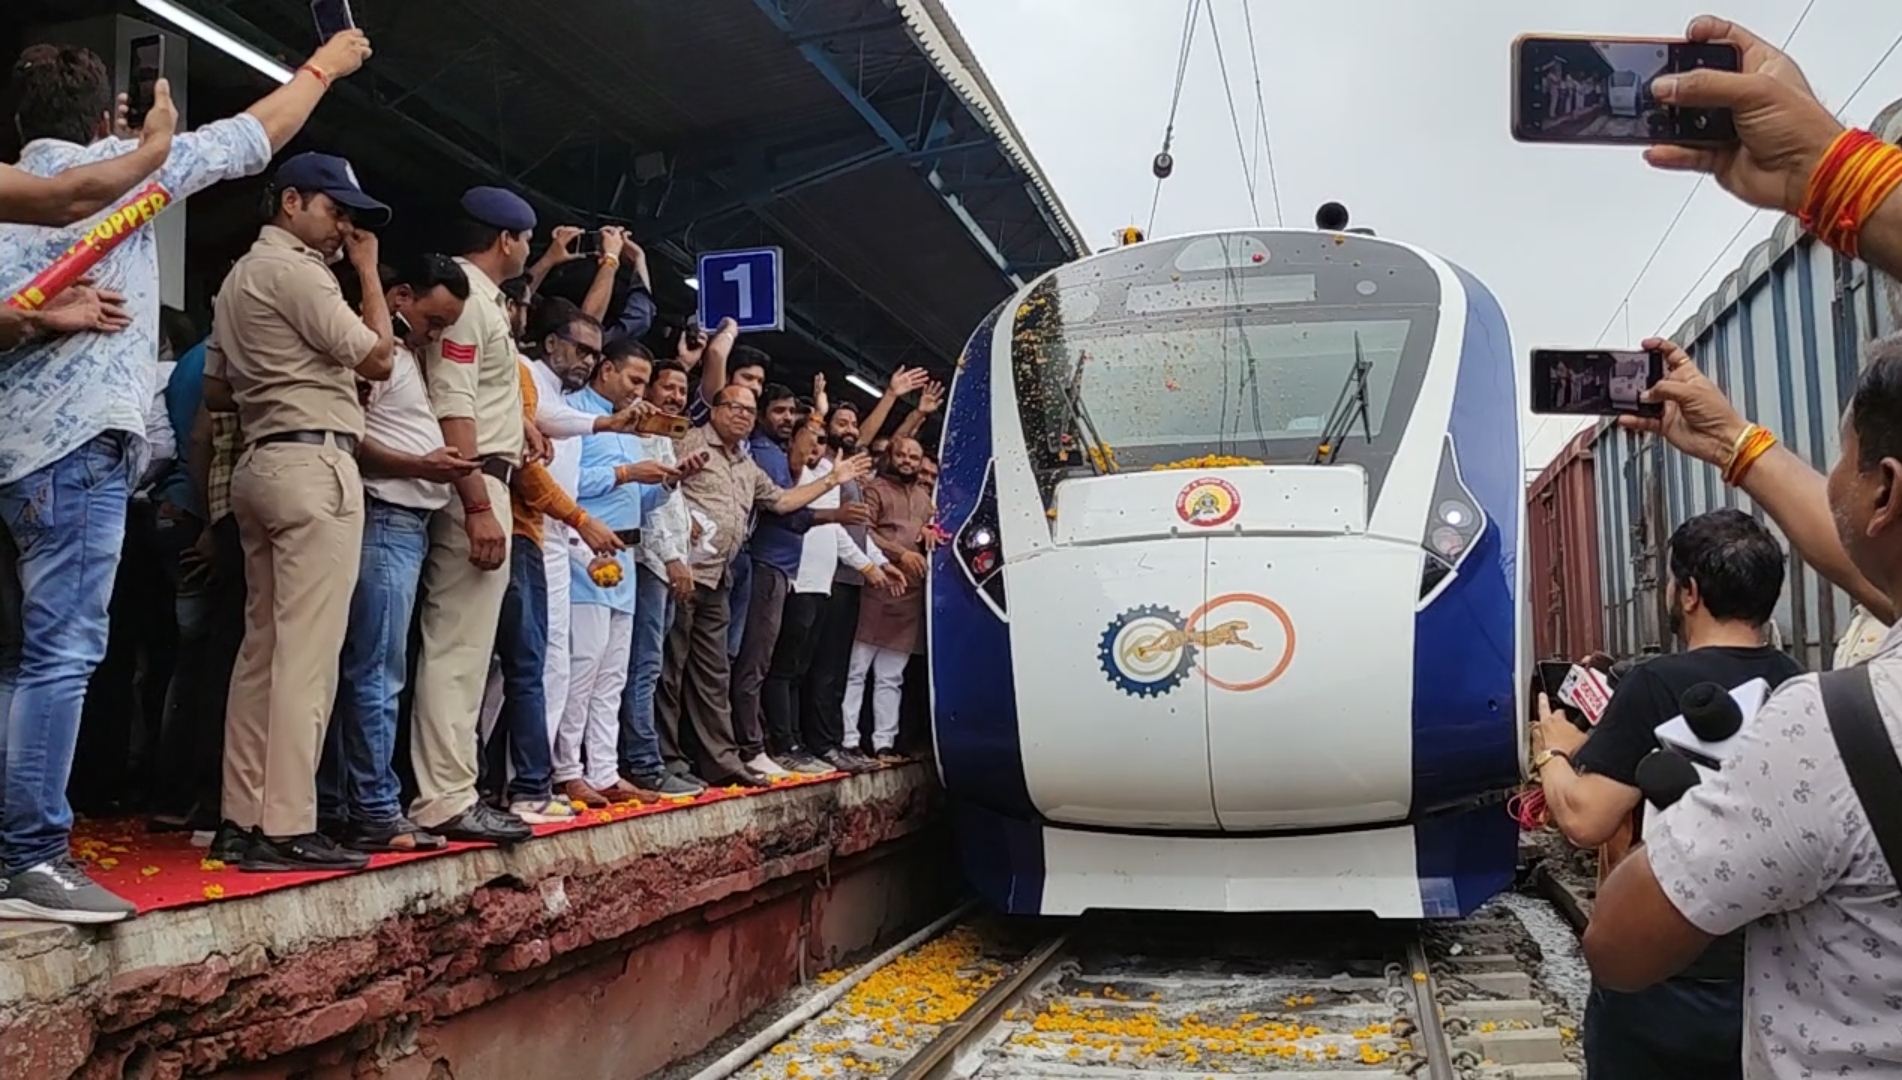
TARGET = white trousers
(599,643)
(555,560)
(887,669)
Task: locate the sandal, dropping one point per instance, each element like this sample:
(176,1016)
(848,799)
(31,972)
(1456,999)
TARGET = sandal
(399,837)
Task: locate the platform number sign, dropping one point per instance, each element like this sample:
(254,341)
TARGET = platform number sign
(745,286)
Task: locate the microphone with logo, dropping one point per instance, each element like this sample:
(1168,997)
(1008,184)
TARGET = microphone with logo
(1693,744)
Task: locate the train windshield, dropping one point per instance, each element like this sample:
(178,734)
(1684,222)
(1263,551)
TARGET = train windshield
(1153,358)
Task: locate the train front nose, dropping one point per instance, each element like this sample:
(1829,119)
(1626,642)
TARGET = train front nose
(1223,651)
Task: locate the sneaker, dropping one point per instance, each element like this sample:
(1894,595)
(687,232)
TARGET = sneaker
(746,778)
(482,825)
(308,853)
(891,757)
(766,766)
(60,891)
(550,811)
(230,843)
(845,761)
(668,785)
(805,765)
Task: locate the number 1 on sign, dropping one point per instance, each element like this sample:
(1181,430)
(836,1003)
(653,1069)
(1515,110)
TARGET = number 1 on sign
(742,276)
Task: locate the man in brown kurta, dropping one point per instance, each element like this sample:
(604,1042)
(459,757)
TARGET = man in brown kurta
(890,627)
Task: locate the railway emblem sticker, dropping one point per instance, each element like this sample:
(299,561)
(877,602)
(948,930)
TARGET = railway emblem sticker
(1208,502)
(1150,650)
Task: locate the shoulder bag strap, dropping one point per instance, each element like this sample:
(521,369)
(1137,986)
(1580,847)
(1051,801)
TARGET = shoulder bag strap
(1868,755)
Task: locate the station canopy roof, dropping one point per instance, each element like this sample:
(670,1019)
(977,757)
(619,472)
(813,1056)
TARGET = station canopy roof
(859,136)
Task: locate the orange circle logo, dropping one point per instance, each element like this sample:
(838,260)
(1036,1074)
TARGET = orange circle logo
(1260,652)
(1208,502)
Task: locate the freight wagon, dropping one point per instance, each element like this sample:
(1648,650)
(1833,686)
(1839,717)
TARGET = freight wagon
(1782,335)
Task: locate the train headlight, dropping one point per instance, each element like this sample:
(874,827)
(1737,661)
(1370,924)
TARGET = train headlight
(1454,527)
(977,548)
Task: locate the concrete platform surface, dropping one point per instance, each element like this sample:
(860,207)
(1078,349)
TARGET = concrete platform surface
(362,975)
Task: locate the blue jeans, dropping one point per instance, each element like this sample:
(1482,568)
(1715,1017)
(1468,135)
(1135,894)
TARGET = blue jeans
(357,780)
(522,641)
(59,553)
(653,614)
(741,575)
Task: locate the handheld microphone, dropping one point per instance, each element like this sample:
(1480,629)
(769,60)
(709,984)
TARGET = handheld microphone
(1711,712)
(1664,776)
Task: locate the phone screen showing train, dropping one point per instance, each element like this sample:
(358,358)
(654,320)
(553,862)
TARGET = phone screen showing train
(1589,382)
(1598,91)
(148,66)
(332,17)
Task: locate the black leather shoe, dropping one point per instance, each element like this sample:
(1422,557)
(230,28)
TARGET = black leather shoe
(299,854)
(230,843)
(481,824)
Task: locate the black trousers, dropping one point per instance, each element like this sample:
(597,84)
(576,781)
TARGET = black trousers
(823,717)
(205,688)
(1680,1029)
(789,728)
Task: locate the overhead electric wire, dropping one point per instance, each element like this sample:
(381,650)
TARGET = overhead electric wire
(1265,141)
(1234,117)
(1175,101)
(1690,195)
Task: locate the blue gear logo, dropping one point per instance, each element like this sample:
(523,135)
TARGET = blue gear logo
(1146,652)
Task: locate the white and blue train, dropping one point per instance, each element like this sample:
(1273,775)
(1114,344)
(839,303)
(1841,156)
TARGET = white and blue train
(1230,617)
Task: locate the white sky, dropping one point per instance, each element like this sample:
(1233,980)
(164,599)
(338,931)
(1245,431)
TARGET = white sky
(1400,109)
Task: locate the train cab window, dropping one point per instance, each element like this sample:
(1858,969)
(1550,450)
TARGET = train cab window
(1237,346)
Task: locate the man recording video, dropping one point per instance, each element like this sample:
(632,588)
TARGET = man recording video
(1726,574)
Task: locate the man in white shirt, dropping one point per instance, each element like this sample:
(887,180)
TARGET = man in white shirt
(789,722)
(406,476)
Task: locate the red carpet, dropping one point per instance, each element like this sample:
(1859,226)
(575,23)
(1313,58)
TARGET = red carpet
(163,870)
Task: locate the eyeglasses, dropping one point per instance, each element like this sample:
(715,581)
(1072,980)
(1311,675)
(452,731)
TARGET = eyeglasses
(743,410)
(586,351)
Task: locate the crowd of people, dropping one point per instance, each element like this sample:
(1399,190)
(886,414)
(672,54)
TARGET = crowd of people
(405,550)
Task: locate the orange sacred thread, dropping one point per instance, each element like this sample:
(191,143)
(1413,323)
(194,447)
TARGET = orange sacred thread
(1287,628)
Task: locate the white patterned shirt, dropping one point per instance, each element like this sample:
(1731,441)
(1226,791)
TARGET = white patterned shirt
(58,395)
(1778,842)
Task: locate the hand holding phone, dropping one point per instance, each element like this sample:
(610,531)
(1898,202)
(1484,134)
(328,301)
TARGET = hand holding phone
(147,56)
(1595,382)
(587,244)
(332,17)
(667,424)
(1597,91)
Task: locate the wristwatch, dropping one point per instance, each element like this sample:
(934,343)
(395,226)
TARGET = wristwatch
(1545,756)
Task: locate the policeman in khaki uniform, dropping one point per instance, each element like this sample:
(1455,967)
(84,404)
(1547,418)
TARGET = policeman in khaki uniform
(476,389)
(293,350)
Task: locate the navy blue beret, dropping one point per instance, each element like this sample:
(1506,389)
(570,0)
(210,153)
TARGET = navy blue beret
(499,208)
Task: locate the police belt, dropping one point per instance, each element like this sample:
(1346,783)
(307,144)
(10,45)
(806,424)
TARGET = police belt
(346,443)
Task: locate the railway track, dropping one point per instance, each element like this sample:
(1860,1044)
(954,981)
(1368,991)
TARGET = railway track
(1191,998)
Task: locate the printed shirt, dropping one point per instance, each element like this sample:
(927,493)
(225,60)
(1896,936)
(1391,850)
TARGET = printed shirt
(619,506)
(724,494)
(399,417)
(665,530)
(473,373)
(58,394)
(1778,842)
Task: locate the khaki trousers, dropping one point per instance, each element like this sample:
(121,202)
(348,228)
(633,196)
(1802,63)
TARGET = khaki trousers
(300,520)
(460,607)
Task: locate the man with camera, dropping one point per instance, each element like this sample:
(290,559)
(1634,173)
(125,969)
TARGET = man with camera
(1726,572)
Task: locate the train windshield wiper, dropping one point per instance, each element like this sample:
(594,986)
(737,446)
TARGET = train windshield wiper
(1076,419)
(1349,407)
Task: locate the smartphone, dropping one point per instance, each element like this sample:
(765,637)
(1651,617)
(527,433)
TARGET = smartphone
(332,18)
(1597,91)
(1594,382)
(668,424)
(588,243)
(148,66)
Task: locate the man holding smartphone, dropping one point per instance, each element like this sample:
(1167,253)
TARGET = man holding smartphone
(74,441)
